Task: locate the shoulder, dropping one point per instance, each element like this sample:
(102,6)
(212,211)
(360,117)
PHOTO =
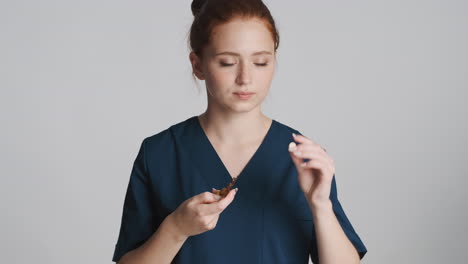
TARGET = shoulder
(286,129)
(281,135)
(166,138)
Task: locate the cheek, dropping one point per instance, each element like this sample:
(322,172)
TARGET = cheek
(219,83)
(264,81)
(217,77)
(220,78)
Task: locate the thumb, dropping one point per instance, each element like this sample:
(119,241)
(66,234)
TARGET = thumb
(208,197)
(296,160)
(218,207)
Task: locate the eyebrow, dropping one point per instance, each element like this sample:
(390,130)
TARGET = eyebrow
(238,55)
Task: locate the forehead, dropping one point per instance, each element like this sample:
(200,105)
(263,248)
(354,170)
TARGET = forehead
(243,36)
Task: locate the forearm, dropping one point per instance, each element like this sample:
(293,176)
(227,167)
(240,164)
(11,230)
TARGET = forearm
(161,247)
(332,243)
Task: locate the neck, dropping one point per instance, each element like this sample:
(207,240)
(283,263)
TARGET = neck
(234,128)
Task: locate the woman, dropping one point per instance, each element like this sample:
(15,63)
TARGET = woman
(287,206)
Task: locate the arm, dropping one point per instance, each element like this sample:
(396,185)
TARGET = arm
(161,247)
(317,180)
(332,243)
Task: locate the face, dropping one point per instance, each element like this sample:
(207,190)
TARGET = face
(239,59)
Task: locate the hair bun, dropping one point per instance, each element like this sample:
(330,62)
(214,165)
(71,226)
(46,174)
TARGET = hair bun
(197,6)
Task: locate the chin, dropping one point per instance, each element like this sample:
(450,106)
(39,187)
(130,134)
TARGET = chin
(243,107)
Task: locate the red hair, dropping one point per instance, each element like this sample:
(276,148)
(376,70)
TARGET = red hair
(210,13)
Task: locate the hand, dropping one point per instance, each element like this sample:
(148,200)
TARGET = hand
(315,176)
(200,213)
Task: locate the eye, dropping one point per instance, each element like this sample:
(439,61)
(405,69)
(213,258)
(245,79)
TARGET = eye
(226,64)
(231,64)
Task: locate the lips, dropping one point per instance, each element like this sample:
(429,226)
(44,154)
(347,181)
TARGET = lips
(244,93)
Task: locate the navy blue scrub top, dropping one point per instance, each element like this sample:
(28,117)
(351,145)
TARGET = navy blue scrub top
(269,220)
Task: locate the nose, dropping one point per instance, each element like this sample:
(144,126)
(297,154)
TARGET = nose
(244,76)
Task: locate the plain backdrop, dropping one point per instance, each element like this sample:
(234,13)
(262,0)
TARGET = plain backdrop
(381,85)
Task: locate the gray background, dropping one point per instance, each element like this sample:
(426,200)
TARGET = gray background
(380,84)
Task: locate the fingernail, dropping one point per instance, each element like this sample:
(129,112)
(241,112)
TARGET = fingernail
(294,135)
(292,146)
(236,190)
(297,153)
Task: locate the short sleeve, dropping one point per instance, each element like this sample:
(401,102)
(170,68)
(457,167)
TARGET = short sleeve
(138,220)
(345,224)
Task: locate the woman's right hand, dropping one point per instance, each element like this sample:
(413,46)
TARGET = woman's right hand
(200,213)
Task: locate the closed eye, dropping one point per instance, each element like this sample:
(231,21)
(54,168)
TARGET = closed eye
(228,65)
(225,64)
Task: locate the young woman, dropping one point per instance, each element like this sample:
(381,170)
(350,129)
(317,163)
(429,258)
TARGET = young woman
(284,206)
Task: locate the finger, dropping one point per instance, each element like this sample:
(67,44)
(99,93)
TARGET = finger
(309,143)
(216,207)
(314,147)
(291,148)
(316,164)
(207,197)
(219,206)
(302,139)
(312,155)
(215,191)
(297,151)
(312,152)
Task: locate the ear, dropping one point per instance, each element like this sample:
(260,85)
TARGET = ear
(196,66)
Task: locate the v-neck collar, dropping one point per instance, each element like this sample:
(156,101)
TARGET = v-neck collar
(212,151)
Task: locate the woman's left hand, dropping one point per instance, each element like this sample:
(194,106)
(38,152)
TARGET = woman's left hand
(315,176)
